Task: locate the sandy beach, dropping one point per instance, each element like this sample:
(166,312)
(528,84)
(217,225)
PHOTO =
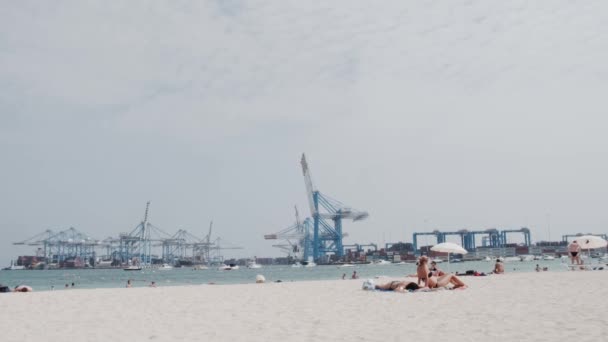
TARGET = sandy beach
(542,306)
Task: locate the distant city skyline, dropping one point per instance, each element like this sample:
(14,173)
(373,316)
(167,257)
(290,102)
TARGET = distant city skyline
(428,115)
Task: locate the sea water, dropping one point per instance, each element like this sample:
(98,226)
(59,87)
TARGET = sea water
(46,280)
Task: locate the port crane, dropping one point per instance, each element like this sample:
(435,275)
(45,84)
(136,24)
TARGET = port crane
(297,240)
(327,238)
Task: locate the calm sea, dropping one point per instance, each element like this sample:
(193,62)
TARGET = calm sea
(113,278)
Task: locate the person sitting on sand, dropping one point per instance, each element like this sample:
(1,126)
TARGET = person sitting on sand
(398,286)
(422,271)
(434,270)
(444,281)
(499,267)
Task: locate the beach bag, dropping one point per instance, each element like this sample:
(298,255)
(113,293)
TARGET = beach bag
(4,289)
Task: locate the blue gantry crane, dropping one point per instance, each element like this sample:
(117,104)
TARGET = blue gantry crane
(327,238)
(525,231)
(297,239)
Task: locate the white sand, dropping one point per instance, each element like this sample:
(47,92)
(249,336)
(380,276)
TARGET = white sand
(568,306)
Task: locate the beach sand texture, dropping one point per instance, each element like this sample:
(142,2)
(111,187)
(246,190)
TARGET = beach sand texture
(542,306)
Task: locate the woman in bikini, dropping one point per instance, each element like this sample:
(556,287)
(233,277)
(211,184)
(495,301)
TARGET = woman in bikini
(444,281)
(398,286)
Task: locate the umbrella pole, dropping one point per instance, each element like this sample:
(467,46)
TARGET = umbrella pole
(449,268)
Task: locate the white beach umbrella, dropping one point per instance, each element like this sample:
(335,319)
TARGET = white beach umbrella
(449,247)
(591,242)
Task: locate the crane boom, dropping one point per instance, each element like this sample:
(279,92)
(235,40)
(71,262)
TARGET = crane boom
(309,187)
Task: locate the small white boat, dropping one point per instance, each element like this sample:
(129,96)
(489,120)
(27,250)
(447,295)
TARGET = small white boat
(14,267)
(488,259)
(165,267)
(382,262)
(511,259)
(527,257)
(200,267)
(297,264)
(132,268)
(346,265)
(538,257)
(548,257)
(230,267)
(253,264)
(310,264)
(437,261)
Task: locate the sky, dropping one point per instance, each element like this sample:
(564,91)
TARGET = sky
(427,114)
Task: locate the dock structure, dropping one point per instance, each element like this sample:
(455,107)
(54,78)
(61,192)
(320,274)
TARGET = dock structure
(491,237)
(144,246)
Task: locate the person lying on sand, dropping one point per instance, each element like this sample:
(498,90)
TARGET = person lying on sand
(398,286)
(444,281)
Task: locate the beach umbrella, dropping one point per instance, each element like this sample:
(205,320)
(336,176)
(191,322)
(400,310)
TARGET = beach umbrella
(590,242)
(449,247)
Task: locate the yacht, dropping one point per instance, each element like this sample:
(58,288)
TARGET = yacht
(382,262)
(297,264)
(132,268)
(230,267)
(14,267)
(165,267)
(511,259)
(309,263)
(253,264)
(527,257)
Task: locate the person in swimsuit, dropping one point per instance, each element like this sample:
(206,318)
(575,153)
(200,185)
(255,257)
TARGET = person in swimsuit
(434,271)
(574,249)
(444,281)
(423,270)
(398,286)
(499,267)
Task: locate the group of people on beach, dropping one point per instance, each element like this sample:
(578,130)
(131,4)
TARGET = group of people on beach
(428,277)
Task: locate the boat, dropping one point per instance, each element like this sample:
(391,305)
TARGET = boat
(14,267)
(132,268)
(253,264)
(488,259)
(297,264)
(382,262)
(548,257)
(437,261)
(309,263)
(165,267)
(527,257)
(200,267)
(346,265)
(230,267)
(511,259)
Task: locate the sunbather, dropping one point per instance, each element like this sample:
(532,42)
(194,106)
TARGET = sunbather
(444,281)
(398,286)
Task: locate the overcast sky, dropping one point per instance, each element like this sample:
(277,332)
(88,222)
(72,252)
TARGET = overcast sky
(427,114)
